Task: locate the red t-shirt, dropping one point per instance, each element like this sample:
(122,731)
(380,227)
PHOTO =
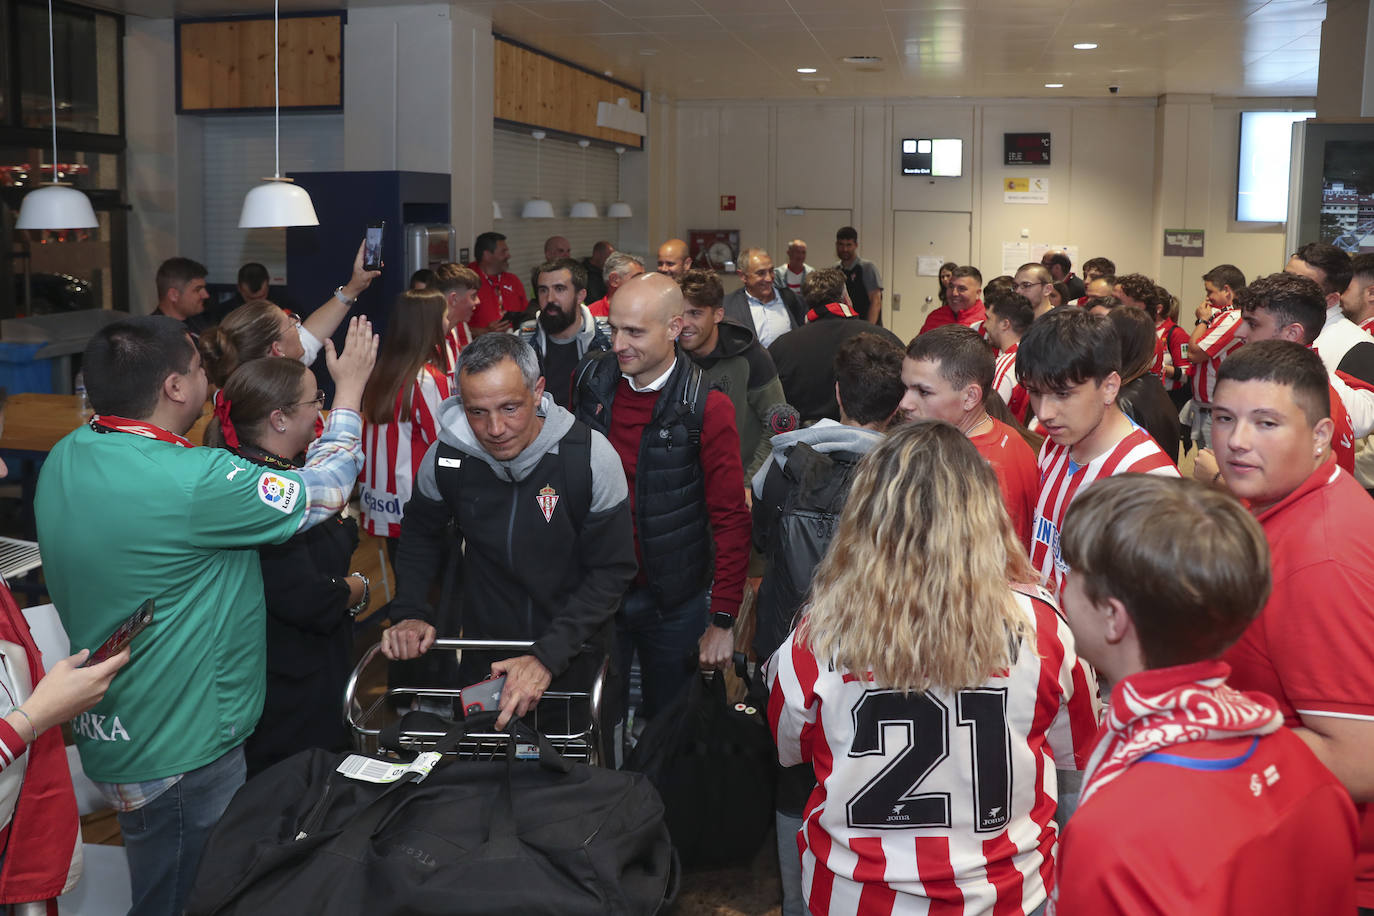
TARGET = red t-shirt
(1343,436)
(974,316)
(601,308)
(1312,647)
(1227,828)
(731,526)
(498,294)
(1012,459)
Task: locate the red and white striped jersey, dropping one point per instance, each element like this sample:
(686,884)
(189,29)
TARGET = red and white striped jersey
(1004,379)
(1060,481)
(392,453)
(1217,343)
(1173,339)
(458,337)
(936,802)
(1367,325)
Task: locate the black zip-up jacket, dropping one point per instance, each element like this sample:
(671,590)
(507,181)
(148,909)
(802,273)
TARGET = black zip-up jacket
(534,565)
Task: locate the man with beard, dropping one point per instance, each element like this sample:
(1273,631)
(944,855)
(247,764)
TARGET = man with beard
(564,330)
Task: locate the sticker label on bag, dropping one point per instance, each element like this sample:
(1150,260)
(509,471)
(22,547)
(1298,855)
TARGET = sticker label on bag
(367,769)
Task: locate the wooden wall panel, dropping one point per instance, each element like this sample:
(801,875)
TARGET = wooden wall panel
(226,65)
(542,91)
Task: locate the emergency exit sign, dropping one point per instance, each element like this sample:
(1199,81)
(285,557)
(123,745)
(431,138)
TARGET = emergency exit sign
(727,201)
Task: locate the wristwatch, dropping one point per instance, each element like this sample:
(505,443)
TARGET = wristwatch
(344,297)
(358,608)
(723,620)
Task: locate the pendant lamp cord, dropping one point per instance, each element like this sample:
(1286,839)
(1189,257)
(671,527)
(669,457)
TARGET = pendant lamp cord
(52,92)
(276,83)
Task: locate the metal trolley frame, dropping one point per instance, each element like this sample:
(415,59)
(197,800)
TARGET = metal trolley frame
(570,720)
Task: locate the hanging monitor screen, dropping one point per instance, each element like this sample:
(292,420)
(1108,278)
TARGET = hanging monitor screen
(1262,173)
(935,158)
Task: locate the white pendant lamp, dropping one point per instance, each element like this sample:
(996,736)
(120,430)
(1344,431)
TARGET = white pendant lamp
(619,209)
(277,202)
(55,205)
(538,207)
(584,209)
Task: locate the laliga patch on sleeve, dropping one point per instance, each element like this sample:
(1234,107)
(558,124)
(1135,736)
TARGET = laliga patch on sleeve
(278,492)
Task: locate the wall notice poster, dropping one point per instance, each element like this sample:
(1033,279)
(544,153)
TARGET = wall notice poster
(1183,243)
(1025,190)
(929,265)
(713,248)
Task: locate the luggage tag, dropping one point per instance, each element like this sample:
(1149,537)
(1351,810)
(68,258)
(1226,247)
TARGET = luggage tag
(367,769)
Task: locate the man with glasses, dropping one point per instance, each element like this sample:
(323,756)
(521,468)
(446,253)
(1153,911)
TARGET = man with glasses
(963,302)
(1033,281)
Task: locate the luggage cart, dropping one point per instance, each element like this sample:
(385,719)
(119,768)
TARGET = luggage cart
(570,720)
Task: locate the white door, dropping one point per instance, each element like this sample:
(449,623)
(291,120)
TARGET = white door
(814,227)
(917,234)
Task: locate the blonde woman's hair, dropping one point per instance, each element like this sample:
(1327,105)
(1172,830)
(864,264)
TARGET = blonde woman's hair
(915,586)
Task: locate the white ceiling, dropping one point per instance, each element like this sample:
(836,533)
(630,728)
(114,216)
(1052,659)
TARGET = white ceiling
(688,49)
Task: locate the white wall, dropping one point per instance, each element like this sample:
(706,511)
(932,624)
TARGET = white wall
(1120,170)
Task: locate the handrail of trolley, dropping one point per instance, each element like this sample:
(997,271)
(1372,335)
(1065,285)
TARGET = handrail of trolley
(352,709)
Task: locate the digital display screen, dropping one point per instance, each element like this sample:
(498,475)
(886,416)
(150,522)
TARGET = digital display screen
(936,158)
(1262,173)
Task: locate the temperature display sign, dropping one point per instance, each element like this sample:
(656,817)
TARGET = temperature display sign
(1026,149)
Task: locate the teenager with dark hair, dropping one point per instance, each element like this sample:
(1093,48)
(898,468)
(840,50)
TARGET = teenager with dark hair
(1312,647)
(1341,344)
(1255,823)
(1142,398)
(1070,364)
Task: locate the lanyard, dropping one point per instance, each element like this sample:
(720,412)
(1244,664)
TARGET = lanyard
(496,287)
(112,424)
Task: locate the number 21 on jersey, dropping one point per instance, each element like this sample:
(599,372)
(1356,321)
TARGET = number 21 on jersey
(892,799)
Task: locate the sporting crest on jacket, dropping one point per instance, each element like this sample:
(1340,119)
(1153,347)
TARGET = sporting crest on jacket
(548,499)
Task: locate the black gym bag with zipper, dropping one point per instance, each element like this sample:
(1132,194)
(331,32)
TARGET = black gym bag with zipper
(511,836)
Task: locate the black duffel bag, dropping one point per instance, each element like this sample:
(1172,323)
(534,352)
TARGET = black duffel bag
(715,766)
(512,836)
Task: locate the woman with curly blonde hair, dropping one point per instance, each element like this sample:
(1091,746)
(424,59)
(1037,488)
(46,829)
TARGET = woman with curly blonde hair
(932,691)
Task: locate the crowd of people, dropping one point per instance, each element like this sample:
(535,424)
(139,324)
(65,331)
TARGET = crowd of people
(1016,663)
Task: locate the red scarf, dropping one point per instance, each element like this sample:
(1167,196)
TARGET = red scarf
(113,424)
(1167,706)
(43,852)
(835,309)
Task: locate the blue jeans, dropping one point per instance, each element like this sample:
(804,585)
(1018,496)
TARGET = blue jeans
(666,639)
(164,838)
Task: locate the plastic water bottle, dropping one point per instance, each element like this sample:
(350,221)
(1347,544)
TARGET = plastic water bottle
(80,385)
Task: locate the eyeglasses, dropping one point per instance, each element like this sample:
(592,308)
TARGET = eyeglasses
(317,400)
(1027,285)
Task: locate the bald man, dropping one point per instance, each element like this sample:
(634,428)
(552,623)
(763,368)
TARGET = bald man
(556,247)
(792,274)
(673,260)
(762,306)
(686,484)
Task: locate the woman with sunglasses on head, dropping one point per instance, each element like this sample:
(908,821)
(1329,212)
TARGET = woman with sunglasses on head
(399,408)
(934,696)
(266,414)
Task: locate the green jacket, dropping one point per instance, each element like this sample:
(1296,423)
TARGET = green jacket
(744,371)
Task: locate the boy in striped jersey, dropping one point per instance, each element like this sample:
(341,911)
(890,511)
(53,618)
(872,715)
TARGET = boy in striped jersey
(1070,364)
(1009,317)
(460,287)
(1214,337)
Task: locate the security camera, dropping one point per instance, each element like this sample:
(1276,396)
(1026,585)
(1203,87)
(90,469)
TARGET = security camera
(1113,89)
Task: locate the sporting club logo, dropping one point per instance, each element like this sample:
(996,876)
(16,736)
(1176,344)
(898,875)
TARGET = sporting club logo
(547,499)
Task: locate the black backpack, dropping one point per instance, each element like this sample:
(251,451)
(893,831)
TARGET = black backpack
(817,487)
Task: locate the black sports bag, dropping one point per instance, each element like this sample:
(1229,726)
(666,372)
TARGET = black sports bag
(512,836)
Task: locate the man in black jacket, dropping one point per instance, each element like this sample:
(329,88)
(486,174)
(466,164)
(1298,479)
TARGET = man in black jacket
(542,507)
(762,306)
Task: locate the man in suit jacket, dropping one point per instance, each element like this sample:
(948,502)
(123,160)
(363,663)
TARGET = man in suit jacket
(761,305)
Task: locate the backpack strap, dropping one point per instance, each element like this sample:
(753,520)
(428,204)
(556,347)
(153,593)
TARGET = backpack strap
(575,452)
(691,408)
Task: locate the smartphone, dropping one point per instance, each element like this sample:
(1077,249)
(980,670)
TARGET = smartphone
(124,634)
(372,248)
(484,696)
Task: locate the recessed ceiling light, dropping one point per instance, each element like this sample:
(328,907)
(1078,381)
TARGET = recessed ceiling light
(1085,46)
(863,59)
(806,69)
(648,52)
(1054,85)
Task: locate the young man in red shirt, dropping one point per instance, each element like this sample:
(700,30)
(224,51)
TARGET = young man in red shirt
(1312,647)
(1070,364)
(1254,823)
(676,438)
(947,374)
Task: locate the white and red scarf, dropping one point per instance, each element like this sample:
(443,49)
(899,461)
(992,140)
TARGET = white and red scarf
(112,424)
(1163,707)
